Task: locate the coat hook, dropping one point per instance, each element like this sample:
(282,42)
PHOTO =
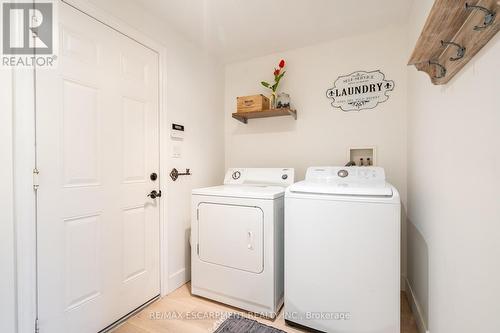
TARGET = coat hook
(460,51)
(441,67)
(488,18)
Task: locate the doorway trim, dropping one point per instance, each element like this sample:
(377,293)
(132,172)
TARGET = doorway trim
(24,137)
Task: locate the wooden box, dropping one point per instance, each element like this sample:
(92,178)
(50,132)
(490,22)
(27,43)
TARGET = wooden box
(252,103)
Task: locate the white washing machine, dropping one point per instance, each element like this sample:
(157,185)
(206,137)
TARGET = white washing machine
(237,239)
(342,251)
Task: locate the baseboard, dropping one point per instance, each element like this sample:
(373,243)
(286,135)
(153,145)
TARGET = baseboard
(178,279)
(416,309)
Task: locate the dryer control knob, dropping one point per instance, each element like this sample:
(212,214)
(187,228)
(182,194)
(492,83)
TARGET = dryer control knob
(236,175)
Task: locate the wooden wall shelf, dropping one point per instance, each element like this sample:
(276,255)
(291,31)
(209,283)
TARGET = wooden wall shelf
(460,22)
(244,116)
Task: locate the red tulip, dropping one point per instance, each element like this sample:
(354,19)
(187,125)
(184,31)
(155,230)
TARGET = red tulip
(282,63)
(276,72)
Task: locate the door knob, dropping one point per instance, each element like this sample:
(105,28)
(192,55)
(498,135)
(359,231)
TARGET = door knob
(154,194)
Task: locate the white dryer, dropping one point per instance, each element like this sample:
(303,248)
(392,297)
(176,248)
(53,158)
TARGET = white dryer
(342,251)
(237,239)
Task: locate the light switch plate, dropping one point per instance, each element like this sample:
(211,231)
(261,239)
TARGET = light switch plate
(176,151)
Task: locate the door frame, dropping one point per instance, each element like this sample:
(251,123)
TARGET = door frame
(24,139)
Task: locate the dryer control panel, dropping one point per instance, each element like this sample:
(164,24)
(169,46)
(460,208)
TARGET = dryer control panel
(260,176)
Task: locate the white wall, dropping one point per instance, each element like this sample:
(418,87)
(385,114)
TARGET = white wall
(453,184)
(195,99)
(321,135)
(195,88)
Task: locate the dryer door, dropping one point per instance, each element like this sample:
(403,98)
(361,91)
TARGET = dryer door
(231,236)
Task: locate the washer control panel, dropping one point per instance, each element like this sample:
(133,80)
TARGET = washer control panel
(345,174)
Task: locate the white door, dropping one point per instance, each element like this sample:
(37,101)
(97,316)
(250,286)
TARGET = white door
(98,233)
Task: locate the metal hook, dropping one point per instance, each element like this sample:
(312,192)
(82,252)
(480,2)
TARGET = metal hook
(460,51)
(489,16)
(441,67)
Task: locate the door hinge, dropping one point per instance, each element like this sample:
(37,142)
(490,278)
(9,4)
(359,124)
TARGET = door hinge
(35,179)
(197,215)
(198,249)
(37,326)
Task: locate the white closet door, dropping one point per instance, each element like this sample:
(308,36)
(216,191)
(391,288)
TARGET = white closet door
(98,232)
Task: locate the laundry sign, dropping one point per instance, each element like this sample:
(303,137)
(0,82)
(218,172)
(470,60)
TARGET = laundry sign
(360,90)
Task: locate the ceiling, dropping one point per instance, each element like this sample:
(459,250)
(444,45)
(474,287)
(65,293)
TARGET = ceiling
(242,29)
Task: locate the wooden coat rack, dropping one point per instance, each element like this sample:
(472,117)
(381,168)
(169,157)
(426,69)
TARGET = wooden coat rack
(453,33)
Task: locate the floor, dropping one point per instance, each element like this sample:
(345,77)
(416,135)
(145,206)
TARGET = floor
(182,312)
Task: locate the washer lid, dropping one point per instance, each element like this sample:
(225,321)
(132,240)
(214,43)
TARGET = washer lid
(343,188)
(242,191)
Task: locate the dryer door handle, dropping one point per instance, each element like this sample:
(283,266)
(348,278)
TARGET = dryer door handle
(250,240)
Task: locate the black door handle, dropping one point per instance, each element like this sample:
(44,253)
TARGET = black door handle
(154,194)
